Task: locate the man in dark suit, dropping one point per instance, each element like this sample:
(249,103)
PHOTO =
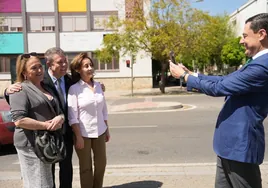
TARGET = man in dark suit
(59,81)
(239,135)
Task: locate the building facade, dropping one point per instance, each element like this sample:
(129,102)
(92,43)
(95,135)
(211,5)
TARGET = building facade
(251,8)
(75,26)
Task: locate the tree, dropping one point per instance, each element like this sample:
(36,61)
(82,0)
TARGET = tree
(232,52)
(170,25)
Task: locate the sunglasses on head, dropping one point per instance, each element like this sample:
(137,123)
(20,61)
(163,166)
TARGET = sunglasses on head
(28,55)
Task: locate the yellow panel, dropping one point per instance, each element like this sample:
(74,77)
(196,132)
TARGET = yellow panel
(72,5)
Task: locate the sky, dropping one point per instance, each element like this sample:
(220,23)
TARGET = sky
(215,7)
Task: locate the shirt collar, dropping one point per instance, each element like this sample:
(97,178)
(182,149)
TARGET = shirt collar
(260,54)
(84,83)
(54,79)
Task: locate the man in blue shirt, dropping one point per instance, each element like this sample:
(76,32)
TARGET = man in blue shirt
(239,134)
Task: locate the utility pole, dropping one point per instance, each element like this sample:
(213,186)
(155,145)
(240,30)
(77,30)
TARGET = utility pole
(132,79)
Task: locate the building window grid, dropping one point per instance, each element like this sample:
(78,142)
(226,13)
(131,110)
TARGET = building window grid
(4,64)
(11,24)
(100,66)
(41,23)
(73,23)
(100,19)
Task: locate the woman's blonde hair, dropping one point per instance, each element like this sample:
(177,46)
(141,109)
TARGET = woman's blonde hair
(21,67)
(76,65)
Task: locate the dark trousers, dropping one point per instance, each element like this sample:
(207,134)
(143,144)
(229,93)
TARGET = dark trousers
(66,166)
(233,174)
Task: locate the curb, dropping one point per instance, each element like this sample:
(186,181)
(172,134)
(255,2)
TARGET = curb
(130,107)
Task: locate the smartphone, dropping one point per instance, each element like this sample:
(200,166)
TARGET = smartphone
(172,57)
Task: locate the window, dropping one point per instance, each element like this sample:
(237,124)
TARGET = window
(100,19)
(4,64)
(74,23)
(41,23)
(99,66)
(11,24)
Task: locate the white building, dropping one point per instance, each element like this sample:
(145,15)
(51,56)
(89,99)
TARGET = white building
(251,8)
(74,26)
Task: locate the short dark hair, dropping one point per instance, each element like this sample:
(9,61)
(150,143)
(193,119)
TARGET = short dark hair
(259,21)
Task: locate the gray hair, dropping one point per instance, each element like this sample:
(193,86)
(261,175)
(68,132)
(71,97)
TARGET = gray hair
(51,52)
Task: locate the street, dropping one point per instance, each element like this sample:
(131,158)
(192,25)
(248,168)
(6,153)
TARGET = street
(182,136)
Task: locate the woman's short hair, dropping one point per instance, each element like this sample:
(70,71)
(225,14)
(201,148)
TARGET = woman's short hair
(76,65)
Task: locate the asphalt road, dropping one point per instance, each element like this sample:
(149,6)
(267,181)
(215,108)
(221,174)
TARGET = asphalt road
(155,138)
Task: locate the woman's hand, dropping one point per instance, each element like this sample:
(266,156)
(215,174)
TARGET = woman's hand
(107,135)
(55,123)
(79,142)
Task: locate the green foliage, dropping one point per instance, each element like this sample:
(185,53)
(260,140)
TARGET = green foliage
(232,52)
(170,25)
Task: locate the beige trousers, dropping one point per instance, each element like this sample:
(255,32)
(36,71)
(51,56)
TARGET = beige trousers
(88,179)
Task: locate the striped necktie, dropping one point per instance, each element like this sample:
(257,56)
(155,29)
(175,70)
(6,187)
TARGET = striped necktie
(60,92)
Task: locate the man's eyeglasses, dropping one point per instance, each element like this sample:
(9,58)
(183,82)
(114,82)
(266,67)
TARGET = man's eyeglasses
(28,55)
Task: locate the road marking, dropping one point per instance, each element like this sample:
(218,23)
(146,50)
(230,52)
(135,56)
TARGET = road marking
(265,163)
(130,127)
(148,99)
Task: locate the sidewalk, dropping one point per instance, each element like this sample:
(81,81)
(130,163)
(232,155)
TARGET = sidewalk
(146,176)
(175,90)
(147,104)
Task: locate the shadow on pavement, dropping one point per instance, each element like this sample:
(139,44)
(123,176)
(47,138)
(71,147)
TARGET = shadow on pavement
(139,184)
(7,150)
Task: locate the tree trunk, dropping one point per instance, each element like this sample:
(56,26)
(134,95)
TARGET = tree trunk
(162,83)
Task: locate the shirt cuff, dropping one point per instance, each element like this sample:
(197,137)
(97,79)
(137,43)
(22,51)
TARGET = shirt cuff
(195,74)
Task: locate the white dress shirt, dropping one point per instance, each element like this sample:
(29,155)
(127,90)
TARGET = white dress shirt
(88,109)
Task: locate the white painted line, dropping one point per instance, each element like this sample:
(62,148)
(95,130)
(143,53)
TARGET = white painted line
(157,165)
(130,127)
(161,165)
(148,99)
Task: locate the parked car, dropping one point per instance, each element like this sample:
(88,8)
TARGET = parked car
(7,127)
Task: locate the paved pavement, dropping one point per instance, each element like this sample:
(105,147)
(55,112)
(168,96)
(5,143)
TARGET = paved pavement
(186,175)
(147,104)
(146,176)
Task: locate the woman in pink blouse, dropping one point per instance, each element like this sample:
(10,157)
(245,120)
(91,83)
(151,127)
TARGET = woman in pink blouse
(87,114)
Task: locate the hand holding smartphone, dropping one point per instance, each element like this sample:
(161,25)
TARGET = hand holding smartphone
(172,57)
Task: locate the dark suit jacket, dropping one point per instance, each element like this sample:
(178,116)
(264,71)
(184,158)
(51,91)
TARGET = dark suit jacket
(68,82)
(239,133)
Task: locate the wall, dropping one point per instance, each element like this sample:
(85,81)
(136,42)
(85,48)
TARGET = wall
(81,41)
(91,41)
(11,43)
(10,6)
(40,42)
(104,5)
(72,5)
(113,84)
(40,6)
(249,9)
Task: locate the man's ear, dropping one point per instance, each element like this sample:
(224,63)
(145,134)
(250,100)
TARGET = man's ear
(262,34)
(48,64)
